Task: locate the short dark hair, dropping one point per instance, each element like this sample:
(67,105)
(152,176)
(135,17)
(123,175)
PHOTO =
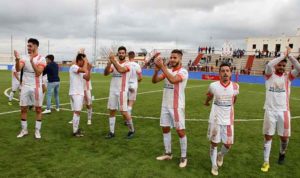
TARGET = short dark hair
(80,57)
(224,64)
(50,57)
(131,54)
(177,51)
(284,60)
(33,41)
(122,48)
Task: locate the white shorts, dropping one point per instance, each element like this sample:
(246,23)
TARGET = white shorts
(279,119)
(171,117)
(31,96)
(217,133)
(76,102)
(15,86)
(87,97)
(132,92)
(117,101)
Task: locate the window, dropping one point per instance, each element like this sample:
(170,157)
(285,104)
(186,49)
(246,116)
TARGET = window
(291,45)
(254,46)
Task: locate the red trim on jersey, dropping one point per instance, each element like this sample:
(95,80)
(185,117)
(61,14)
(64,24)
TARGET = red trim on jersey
(37,85)
(175,69)
(43,65)
(122,90)
(176,117)
(235,86)
(225,85)
(176,95)
(286,123)
(268,76)
(287,94)
(22,62)
(232,113)
(279,74)
(209,94)
(163,75)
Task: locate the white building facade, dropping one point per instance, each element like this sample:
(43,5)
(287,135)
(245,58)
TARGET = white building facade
(274,44)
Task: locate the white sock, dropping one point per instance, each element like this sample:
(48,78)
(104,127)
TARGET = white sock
(183,146)
(224,150)
(130,125)
(167,142)
(129,110)
(24,124)
(76,120)
(283,146)
(90,113)
(267,150)
(11,95)
(38,125)
(213,155)
(112,121)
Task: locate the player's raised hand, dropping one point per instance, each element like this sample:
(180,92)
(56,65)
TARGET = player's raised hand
(159,62)
(16,54)
(288,51)
(81,51)
(89,66)
(111,57)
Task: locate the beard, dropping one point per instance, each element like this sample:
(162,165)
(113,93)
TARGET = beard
(175,65)
(121,58)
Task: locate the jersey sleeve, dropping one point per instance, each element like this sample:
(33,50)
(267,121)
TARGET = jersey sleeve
(74,68)
(236,89)
(127,67)
(183,74)
(138,69)
(42,62)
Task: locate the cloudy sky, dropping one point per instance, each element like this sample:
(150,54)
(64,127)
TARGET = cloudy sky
(69,24)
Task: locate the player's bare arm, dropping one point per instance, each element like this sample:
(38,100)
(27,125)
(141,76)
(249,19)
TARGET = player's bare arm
(156,78)
(38,69)
(118,67)
(87,75)
(208,99)
(272,63)
(18,65)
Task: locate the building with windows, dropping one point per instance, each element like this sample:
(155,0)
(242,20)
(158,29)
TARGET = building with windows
(273,44)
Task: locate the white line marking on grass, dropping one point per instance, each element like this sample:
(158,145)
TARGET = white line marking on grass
(6,94)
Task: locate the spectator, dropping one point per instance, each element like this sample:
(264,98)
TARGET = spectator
(213,50)
(51,70)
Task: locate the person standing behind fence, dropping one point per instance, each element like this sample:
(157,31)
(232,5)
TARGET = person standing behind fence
(52,71)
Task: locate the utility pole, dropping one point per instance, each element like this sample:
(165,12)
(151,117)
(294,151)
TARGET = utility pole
(95,31)
(11,48)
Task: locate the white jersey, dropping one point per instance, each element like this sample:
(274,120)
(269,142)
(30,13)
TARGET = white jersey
(13,77)
(120,81)
(29,77)
(278,90)
(76,81)
(173,95)
(135,71)
(222,110)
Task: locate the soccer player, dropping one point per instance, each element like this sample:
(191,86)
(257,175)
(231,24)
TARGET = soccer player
(118,92)
(31,94)
(135,77)
(277,110)
(173,103)
(224,95)
(88,98)
(78,72)
(15,84)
